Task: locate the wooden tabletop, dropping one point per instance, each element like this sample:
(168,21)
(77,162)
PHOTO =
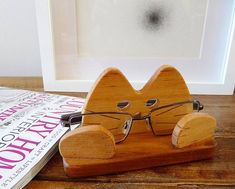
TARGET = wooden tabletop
(218,172)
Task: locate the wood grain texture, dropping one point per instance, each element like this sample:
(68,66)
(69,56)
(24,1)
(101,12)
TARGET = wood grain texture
(133,155)
(94,142)
(218,172)
(166,86)
(30,83)
(91,185)
(194,128)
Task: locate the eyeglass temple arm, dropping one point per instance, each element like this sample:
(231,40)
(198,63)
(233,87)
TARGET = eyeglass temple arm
(196,105)
(71,119)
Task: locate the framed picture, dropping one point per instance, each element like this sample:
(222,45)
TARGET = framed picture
(80,38)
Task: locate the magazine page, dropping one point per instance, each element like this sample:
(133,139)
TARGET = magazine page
(15,103)
(32,130)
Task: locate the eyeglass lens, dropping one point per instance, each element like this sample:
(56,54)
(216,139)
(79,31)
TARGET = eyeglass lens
(118,124)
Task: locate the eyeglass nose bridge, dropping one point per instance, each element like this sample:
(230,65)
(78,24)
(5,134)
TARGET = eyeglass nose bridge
(138,116)
(147,120)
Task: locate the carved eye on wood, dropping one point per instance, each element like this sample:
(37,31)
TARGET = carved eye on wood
(123,104)
(151,102)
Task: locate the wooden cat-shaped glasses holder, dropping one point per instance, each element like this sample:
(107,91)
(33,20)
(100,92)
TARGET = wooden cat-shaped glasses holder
(183,135)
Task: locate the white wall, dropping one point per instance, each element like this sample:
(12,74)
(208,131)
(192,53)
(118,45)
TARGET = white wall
(19,48)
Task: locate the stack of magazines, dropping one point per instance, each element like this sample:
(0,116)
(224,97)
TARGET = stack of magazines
(30,130)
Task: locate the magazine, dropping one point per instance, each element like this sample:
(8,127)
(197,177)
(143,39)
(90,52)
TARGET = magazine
(30,130)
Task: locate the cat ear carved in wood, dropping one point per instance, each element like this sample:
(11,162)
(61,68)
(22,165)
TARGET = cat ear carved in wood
(166,86)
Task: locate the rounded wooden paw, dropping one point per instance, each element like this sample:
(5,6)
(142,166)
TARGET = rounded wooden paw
(93,142)
(192,129)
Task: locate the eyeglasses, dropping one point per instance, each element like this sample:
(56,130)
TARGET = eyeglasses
(120,123)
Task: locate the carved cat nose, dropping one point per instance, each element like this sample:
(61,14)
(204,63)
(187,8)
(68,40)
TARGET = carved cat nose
(137,115)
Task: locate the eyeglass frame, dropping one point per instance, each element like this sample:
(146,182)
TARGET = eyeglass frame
(66,118)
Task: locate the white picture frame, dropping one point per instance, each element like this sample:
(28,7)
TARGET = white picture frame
(201,77)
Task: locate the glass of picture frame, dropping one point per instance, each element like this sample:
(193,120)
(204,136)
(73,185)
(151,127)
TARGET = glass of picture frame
(80,38)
